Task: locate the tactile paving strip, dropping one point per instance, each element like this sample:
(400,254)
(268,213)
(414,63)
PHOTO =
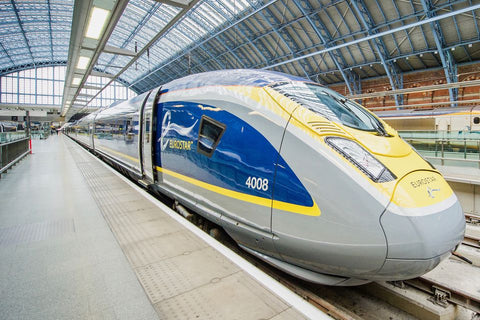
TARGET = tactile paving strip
(183,277)
(163,280)
(205,303)
(35,231)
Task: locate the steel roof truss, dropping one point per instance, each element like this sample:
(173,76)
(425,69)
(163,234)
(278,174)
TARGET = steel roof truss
(282,34)
(394,76)
(448,62)
(173,3)
(20,24)
(118,51)
(322,32)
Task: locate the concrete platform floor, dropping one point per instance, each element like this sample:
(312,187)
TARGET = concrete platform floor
(77,242)
(58,256)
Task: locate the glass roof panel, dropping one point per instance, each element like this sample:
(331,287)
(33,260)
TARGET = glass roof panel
(34,17)
(204,18)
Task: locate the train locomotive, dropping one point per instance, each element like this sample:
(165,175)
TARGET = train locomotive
(295,173)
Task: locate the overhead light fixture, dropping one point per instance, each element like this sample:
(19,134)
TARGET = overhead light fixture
(83,62)
(76,81)
(96,23)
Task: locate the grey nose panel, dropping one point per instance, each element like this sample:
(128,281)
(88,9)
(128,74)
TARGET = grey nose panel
(424,236)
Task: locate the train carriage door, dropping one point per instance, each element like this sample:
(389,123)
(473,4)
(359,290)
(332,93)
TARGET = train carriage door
(147,135)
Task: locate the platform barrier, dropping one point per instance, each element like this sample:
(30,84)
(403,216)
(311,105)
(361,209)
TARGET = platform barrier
(456,148)
(12,151)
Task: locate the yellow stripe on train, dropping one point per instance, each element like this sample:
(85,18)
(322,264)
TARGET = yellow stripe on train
(280,205)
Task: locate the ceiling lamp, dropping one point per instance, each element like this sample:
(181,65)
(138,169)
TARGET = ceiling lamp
(76,81)
(96,23)
(83,62)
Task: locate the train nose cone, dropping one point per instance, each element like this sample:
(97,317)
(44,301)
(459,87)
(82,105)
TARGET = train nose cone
(423,223)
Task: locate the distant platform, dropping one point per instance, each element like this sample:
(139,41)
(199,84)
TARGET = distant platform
(78,241)
(466,175)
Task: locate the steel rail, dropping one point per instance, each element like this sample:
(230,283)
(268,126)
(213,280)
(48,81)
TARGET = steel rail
(442,294)
(472,218)
(471,241)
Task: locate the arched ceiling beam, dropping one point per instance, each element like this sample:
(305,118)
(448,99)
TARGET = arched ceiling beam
(152,42)
(379,34)
(212,36)
(50,28)
(196,19)
(9,58)
(361,32)
(26,66)
(135,31)
(394,76)
(213,57)
(237,27)
(222,10)
(324,35)
(308,64)
(474,18)
(281,33)
(20,24)
(448,62)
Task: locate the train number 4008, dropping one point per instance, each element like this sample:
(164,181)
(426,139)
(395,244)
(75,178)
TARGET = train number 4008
(257,183)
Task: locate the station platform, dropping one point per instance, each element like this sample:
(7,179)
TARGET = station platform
(467,175)
(78,241)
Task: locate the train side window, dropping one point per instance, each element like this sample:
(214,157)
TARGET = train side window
(209,135)
(476,120)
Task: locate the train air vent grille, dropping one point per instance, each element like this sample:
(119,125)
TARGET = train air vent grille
(325,127)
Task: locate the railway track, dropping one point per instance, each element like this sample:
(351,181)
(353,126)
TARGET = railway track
(472,218)
(471,241)
(342,302)
(442,295)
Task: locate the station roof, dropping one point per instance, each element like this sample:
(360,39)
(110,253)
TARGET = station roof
(146,43)
(34,33)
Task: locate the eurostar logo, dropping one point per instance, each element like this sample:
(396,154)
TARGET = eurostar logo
(430,192)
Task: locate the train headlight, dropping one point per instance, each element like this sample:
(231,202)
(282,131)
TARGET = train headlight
(361,158)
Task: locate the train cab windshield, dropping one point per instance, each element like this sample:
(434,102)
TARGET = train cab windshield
(330,105)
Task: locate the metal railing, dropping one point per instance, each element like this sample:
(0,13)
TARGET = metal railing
(12,151)
(12,136)
(40,134)
(446,148)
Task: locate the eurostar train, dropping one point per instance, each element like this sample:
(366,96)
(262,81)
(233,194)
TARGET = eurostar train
(295,173)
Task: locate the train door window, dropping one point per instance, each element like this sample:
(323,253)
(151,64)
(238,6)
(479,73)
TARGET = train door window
(209,135)
(476,120)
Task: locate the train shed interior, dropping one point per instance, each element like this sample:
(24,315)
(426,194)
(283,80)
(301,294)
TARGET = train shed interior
(83,235)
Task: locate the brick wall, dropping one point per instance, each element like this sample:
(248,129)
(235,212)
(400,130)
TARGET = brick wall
(419,79)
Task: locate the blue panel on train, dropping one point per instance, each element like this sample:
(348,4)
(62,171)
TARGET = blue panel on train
(244,160)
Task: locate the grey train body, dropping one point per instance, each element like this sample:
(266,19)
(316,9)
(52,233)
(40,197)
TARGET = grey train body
(356,230)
